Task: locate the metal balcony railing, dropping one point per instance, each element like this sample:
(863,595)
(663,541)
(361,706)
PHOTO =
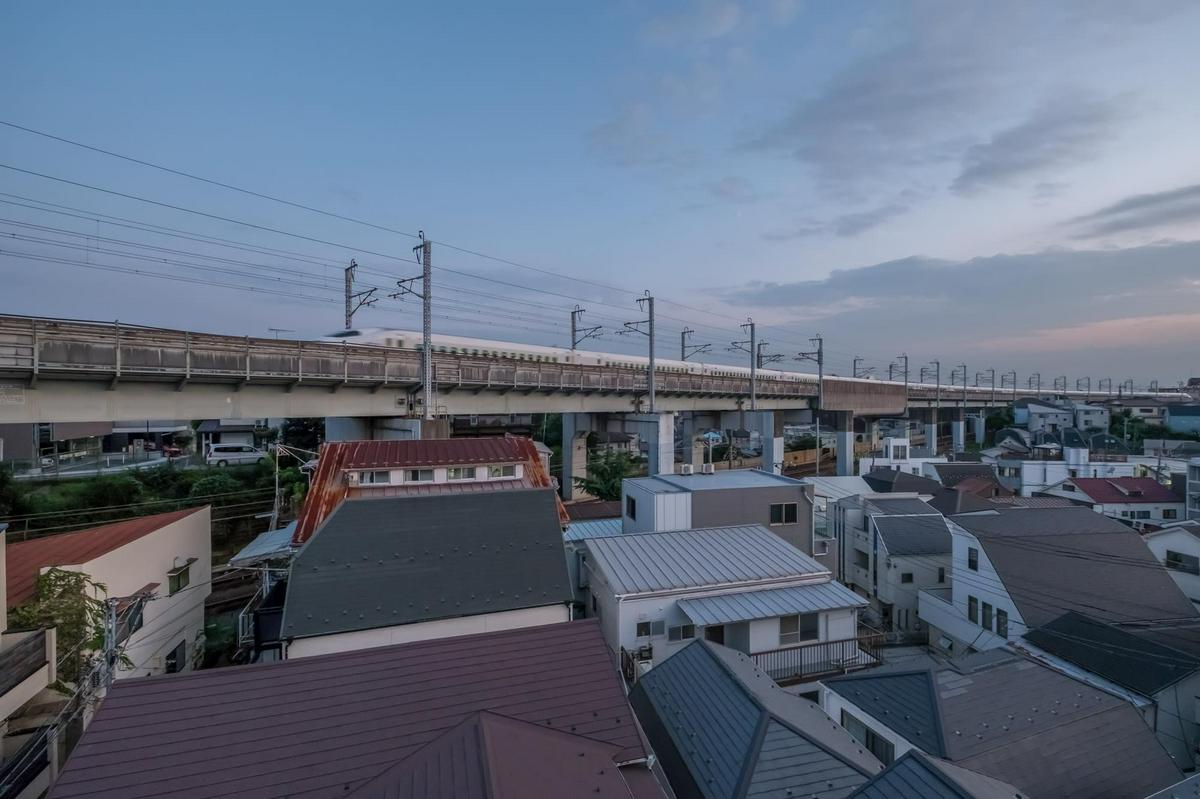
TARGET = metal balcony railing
(811,661)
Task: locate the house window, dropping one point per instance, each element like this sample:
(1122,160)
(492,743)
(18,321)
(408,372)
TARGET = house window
(1002,623)
(973,559)
(631,508)
(987,616)
(683,632)
(460,473)
(1143,514)
(645,629)
(377,478)
(176,659)
(797,628)
(1069,486)
(1178,561)
(419,475)
(876,744)
(973,610)
(861,559)
(507,470)
(906,577)
(941,574)
(179,577)
(1170,513)
(784,513)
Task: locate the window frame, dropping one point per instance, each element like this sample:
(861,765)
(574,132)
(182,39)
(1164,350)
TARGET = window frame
(786,510)
(1002,622)
(1181,562)
(941,575)
(631,507)
(681,632)
(973,609)
(502,471)
(180,577)
(468,473)
(986,613)
(417,476)
(973,558)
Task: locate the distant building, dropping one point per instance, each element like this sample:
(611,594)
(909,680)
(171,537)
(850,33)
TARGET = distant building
(1141,502)
(1048,417)
(531,712)
(1182,418)
(976,478)
(899,455)
(1177,547)
(742,587)
(1008,717)
(386,571)
(228,431)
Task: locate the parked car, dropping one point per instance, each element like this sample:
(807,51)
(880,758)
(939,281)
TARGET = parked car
(171,451)
(234,455)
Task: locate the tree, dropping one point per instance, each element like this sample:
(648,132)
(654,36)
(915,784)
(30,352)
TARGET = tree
(67,600)
(605,471)
(12,497)
(303,433)
(219,483)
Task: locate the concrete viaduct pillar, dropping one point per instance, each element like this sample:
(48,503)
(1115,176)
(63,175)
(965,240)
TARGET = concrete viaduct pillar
(979,426)
(356,428)
(844,427)
(657,430)
(958,430)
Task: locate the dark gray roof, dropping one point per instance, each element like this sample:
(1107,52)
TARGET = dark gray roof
(722,728)
(916,775)
(951,474)
(914,535)
(1013,719)
(1054,560)
(904,700)
(399,560)
(1124,655)
(892,480)
(948,501)
(903,506)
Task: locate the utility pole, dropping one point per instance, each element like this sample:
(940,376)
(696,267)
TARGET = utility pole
(354,301)
(424,252)
(688,350)
(645,303)
(1012,376)
(817,355)
(1100,386)
(750,346)
(110,641)
(578,334)
(1061,380)
(963,368)
(278,330)
(992,382)
(764,358)
(1080,381)
(854,365)
(1036,376)
(904,357)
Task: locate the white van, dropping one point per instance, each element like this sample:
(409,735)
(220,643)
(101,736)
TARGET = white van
(234,455)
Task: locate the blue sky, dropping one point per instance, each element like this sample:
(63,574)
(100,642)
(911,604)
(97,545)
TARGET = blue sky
(1011,185)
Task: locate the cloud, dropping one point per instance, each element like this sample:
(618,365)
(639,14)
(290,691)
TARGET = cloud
(1061,131)
(1142,212)
(632,139)
(700,21)
(733,189)
(1116,333)
(845,225)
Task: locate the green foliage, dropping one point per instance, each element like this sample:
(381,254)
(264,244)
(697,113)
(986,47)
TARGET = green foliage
(12,496)
(604,474)
(218,482)
(303,433)
(117,489)
(67,600)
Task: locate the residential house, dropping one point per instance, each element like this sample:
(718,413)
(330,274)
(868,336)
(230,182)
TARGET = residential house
(28,669)
(1010,718)
(976,478)
(1177,547)
(916,775)
(350,470)
(229,431)
(1192,489)
(411,568)
(721,729)
(1189,786)
(827,490)
(159,566)
(724,498)
(1016,501)
(1141,502)
(1088,417)
(1028,470)
(1148,409)
(531,712)
(1155,667)
(615,441)
(1017,569)
(1048,416)
(894,545)
(896,481)
(898,454)
(1182,418)
(743,587)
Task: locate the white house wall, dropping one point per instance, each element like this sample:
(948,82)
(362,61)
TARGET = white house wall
(427,630)
(986,586)
(903,596)
(1184,543)
(673,511)
(833,704)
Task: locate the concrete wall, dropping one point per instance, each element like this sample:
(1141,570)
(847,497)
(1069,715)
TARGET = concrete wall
(733,506)
(427,630)
(18,442)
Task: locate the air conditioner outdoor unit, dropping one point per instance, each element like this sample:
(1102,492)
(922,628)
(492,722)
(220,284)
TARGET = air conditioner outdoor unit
(352,478)
(708,468)
(687,468)
(643,666)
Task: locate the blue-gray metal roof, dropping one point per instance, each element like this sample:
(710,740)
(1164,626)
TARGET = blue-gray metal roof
(717,737)
(650,562)
(919,776)
(914,535)
(592,528)
(267,546)
(904,700)
(721,479)
(749,605)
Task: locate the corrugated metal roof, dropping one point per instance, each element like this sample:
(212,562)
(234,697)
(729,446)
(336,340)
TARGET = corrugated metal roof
(26,559)
(266,546)
(593,528)
(749,605)
(323,726)
(720,479)
(838,487)
(722,728)
(904,700)
(694,558)
(1125,490)
(385,562)
(916,775)
(328,487)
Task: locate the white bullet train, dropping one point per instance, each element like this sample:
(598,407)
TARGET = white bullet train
(460,345)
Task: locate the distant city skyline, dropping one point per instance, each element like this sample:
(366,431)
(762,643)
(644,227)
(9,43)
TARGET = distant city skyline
(1012,186)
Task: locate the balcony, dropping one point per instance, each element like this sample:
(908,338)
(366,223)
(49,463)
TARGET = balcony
(797,664)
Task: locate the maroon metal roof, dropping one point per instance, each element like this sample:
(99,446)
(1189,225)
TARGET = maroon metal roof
(328,487)
(323,726)
(1122,490)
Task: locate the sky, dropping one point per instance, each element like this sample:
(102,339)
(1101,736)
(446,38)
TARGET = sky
(1009,186)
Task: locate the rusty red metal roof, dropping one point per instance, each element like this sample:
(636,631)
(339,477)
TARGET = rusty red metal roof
(324,726)
(328,488)
(26,559)
(1122,490)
